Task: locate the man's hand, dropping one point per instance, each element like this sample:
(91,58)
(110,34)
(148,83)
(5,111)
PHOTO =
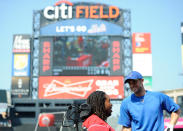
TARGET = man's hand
(4,115)
(169,128)
(126,128)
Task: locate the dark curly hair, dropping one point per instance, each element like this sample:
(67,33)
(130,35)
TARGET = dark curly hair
(97,102)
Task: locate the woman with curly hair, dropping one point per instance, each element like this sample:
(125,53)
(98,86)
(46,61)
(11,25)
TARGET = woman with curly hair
(101,109)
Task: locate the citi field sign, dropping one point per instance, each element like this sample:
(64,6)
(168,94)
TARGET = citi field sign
(64,10)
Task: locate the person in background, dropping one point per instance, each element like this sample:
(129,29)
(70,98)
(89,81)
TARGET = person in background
(143,110)
(101,109)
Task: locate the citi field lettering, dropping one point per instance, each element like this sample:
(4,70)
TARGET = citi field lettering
(65,11)
(91,12)
(56,12)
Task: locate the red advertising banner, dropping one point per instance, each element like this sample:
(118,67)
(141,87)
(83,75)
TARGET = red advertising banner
(141,42)
(79,87)
(45,63)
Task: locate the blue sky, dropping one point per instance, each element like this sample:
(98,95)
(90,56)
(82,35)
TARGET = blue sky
(162,18)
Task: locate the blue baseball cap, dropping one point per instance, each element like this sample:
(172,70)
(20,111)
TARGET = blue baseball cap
(134,75)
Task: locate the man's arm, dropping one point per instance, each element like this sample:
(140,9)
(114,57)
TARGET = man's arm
(174,117)
(173,120)
(125,128)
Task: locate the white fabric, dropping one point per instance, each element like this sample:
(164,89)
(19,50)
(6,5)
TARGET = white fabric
(169,127)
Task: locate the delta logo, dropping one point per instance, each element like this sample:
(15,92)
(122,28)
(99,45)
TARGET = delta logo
(64,9)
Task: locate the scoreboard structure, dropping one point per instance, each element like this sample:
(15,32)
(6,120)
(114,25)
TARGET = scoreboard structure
(75,49)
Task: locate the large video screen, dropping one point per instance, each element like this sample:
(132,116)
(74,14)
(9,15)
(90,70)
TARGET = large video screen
(81,51)
(80,56)
(75,54)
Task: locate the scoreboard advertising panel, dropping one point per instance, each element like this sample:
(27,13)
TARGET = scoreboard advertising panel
(21,55)
(20,87)
(71,87)
(141,45)
(21,66)
(21,43)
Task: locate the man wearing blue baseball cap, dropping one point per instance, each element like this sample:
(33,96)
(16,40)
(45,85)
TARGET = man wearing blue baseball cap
(143,110)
